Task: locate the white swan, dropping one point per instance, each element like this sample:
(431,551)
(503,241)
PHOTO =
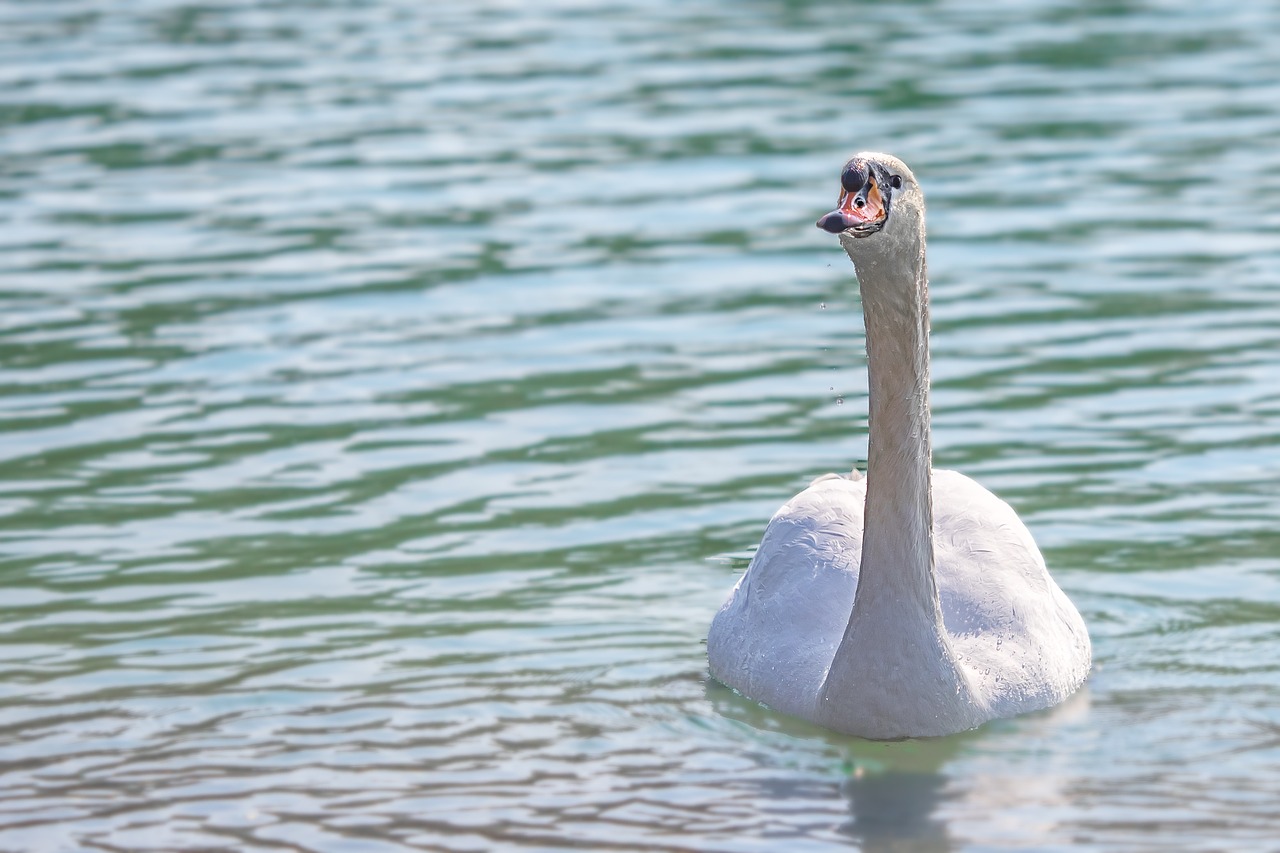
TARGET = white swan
(912,602)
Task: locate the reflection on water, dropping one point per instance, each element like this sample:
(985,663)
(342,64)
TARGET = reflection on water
(391,392)
(905,794)
(893,809)
(894,792)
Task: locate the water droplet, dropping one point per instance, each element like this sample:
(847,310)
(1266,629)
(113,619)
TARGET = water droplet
(839,401)
(824,305)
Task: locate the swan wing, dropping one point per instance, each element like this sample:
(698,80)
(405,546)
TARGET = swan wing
(1025,645)
(775,636)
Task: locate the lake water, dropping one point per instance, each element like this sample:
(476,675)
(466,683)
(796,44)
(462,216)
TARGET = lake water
(392,392)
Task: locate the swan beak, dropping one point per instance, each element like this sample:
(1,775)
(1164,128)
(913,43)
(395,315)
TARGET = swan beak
(863,212)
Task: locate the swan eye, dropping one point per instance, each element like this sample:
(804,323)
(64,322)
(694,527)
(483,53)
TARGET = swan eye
(895,182)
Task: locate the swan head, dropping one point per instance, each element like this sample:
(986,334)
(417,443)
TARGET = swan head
(880,203)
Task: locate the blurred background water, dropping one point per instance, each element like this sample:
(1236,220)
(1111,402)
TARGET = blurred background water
(392,391)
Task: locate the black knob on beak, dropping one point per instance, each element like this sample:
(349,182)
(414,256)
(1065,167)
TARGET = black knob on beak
(855,175)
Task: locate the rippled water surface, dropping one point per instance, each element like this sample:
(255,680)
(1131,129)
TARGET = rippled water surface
(392,391)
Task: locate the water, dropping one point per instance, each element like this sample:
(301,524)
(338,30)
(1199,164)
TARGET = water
(392,391)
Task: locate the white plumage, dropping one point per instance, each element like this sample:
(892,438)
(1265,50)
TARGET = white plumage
(957,620)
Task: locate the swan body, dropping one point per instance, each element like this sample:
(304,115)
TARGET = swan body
(910,602)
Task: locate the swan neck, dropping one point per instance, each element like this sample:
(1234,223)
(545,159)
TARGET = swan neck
(895,651)
(897,550)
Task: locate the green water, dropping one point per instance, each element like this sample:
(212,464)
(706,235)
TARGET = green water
(392,391)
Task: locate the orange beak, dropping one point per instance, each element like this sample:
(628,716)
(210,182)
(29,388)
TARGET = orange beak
(863,207)
(872,209)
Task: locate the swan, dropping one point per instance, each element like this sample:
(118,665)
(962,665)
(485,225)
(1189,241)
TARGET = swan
(910,602)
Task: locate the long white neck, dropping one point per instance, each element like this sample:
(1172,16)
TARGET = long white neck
(895,656)
(897,545)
